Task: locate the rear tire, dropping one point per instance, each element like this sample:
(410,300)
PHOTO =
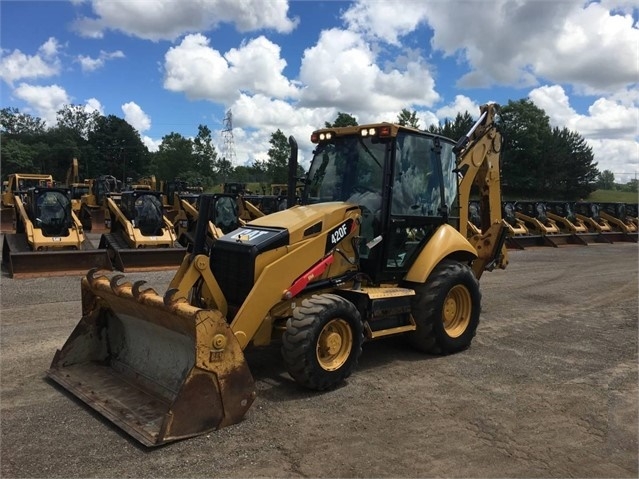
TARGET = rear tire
(446,309)
(323,341)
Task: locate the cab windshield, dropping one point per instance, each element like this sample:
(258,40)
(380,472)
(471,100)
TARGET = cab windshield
(53,213)
(347,169)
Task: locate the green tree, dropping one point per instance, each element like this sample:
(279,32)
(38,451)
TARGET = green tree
(540,161)
(116,149)
(408,118)
(570,163)
(12,122)
(526,130)
(62,145)
(204,155)
(606,180)
(342,119)
(632,186)
(76,118)
(225,170)
(18,157)
(175,158)
(455,129)
(278,155)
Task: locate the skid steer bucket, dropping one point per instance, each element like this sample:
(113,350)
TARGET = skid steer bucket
(127,259)
(21,261)
(7,219)
(155,366)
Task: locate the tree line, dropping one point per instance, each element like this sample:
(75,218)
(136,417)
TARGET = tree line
(538,161)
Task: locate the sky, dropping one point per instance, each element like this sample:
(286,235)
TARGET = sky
(168,66)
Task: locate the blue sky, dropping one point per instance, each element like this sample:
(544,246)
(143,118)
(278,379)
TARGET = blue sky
(170,65)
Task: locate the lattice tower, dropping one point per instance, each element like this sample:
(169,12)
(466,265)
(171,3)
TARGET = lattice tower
(227,137)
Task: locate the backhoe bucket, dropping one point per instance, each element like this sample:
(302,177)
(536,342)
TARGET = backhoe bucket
(157,367)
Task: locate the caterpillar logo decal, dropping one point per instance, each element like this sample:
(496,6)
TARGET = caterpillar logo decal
(338,234)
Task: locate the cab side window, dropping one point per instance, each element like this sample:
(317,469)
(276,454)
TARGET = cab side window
(416,186)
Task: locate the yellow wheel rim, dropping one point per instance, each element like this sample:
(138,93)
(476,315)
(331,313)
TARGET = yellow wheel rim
(457,311)
(334,344)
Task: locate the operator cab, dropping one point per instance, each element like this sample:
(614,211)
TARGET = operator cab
(50,210)
(403,180)
(104,186)
(144,210)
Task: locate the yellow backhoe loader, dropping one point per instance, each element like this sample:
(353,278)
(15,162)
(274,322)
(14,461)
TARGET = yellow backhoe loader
(18,183)
(139,237)
(49,239)
(379,247)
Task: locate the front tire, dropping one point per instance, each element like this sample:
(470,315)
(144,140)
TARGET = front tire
(446,309)
(323,341)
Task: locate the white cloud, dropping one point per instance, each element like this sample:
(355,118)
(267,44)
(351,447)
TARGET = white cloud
(135,116)
(151,144)
(201,72)
(595,51)
(18,66)
(385,20)
(93,104)
(341,71)
(46,101)
(258,117)
(461,105)
(89,64)
(518,43)
(169,19)
(611,128)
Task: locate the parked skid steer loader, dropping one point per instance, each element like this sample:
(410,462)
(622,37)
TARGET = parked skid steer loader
(379,247)
(18,183)
(140,237)
(49,240)
(93,204)
(227,212)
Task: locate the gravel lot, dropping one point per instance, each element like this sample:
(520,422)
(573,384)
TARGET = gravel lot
(548,389)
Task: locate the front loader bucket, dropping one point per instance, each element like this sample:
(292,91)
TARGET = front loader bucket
(21,261)
(155,366)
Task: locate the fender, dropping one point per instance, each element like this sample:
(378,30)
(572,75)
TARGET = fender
(446,241)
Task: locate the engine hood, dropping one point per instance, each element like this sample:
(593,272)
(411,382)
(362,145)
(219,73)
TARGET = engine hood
(303,222)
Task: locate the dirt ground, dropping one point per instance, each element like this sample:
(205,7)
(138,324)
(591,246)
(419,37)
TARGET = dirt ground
(549,388)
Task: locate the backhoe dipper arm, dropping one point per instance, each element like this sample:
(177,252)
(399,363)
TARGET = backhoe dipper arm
(478,163)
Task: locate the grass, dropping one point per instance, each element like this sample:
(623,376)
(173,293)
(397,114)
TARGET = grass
(613,196)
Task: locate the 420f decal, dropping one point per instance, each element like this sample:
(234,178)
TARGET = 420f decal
(338,234)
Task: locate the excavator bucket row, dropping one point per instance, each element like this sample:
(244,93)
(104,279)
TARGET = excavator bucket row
(156,366)
(555,223)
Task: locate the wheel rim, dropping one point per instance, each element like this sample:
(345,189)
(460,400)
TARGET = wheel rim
(457,311)
(334,344)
